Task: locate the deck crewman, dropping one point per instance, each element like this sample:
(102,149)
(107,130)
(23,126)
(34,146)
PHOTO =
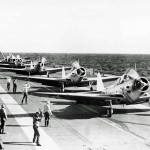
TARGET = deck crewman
(8,83)
(47,113)
(14,85)
(3,117)
(36,123)
(25,92)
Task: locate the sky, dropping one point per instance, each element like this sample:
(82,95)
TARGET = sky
(75,26)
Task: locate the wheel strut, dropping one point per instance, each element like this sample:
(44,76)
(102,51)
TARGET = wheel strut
(110,109)
(62,87)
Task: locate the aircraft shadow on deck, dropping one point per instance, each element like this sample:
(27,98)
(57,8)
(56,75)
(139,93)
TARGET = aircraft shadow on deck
(35,90)
(69,112)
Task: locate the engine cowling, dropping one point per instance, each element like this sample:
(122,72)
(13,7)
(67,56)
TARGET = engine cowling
(81,72)
(39,66)
(138,87)
(141,84)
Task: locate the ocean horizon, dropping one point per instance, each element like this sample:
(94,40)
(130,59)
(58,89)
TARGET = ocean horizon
(115,64)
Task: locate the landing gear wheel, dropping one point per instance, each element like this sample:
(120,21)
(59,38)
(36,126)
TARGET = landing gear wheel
(109,112)
(91,88)
(90,85)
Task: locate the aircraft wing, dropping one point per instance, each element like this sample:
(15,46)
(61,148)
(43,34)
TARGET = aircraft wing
(104,79)
(26,71)
(90,95)
(86,96)
(54,70)
(11,69)
(39,79)
(67,82)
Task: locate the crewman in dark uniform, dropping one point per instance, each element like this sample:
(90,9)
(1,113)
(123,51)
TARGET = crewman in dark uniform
(3,117)
(8,83)
(14,85)
(36,123)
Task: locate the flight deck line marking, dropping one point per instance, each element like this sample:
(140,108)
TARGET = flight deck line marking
(112,124)
(14,108)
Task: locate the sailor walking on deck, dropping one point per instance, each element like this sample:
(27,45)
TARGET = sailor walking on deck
(25,92)
(14,85)
(47,113)
(8,83)
(36,123)
(3,117)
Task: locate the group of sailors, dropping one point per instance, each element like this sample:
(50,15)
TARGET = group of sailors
(14,84)
(37,118)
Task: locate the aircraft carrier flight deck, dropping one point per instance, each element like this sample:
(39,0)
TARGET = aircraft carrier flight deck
(73,126)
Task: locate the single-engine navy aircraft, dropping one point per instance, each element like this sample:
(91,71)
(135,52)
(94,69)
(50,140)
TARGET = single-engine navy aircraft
(11,61)
(128,89)
(75,77)
(37,68)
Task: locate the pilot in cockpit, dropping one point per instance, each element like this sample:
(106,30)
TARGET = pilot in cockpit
(122,79)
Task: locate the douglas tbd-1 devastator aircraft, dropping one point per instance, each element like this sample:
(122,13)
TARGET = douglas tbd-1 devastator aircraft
(128,89)
(11,61)
(34,69)
(75,77)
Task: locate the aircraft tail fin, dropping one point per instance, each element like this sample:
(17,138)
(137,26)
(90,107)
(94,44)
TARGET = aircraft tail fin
(43,60)
(63,73)
(2,55)
(31,65)
(100,85)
